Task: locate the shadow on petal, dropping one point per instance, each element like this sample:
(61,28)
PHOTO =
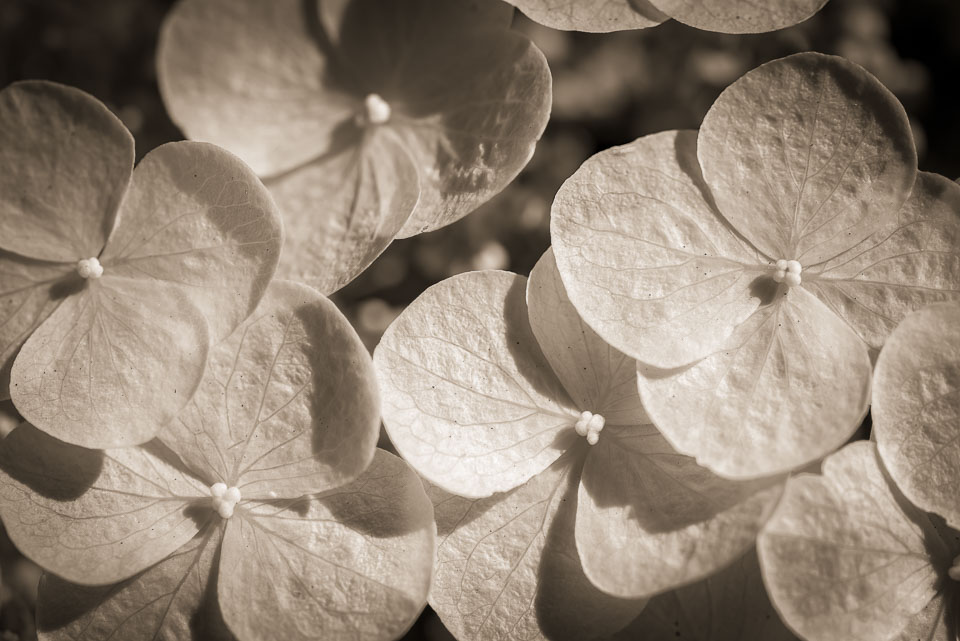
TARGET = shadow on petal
(49,467)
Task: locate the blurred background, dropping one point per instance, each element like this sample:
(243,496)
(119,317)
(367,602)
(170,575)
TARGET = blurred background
(608,90)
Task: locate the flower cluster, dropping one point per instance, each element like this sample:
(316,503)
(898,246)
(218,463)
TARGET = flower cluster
(643,439)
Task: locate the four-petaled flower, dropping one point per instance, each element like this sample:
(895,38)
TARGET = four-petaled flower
(751,268)
(258,504)
(115,281)
(491,383)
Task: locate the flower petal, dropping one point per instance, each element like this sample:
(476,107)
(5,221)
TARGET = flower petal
(341,211)
(910,263)
(650,519)
(250,77)
(174,599)
(30,291)
(916,408)
(288,404)
(92,516)
(598,16)
(197,217)
(65,161)
(792,385)
(112,365)
(468,397)
(645,257)
(807,156)
(731,604)
(507,565)
(597,377)
(739,17)
(354,563)
(844,557)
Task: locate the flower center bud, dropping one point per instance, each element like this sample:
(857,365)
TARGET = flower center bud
(788,271)
(90,268)
(224,499)
(590,425)
(376,111)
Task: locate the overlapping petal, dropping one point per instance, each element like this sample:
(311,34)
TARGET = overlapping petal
(250,77)
(508,567)
(65,161)
(352,563)
(95,517)
(739,16)
(790,386)
(113,364)
(912,262)
(916,408)
(197,218)
(288,405)
(597,377)
(30,291)
(646,259)
(174,599)
(731,604)
(845,557)
(468,396)
(649,519)
(807,156)
(714,15)
(343,209)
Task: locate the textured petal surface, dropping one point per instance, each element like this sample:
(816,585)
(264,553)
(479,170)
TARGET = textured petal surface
(807,156)
(65,161)
(252,78)
(341,211)
(731,604)
(197,218)
(468,396)
(792,385)
(645,257)
(94,516)
(112,365)
(469,96)
(847,559)
(916,408)
(174,599)
(912,262)
(598,377)
(351,564)
(29,292)
(288,404)
(508,569)
(650,519)
(596,16)
(739,16)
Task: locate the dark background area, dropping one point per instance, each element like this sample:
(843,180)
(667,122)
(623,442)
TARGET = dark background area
(608,90)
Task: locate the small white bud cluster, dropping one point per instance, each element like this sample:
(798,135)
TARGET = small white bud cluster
(90,268)
(224,499)
(954,572)
(376,111)
(590,425)
(788,271)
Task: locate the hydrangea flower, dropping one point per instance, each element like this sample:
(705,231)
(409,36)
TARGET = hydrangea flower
(713,15)
(494,389)
(252,513)
(853,554)
(752,268)
(368,120)
(114,281)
